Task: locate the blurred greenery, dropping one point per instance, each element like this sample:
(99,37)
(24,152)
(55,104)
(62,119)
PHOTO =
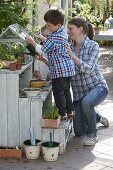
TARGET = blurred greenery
(12,12)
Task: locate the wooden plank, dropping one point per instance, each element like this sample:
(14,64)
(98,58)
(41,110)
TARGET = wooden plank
(36,117)
(3,111)
(24,115)
(12,109)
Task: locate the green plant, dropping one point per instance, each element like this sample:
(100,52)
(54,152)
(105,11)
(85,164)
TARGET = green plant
(52,113)
(12,12)
(5,53)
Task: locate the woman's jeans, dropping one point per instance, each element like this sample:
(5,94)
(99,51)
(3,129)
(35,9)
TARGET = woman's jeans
(85,114)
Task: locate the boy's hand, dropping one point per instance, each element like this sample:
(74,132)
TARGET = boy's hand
(37,74)
(41,38)
(30,40)
(48,77)
(39,57)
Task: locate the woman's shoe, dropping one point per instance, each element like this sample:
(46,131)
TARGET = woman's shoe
(91,141)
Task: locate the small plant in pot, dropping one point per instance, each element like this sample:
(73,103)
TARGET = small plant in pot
(5,56)
(51,118)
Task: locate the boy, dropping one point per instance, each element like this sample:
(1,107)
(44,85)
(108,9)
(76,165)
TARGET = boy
(41,70)
(61,66)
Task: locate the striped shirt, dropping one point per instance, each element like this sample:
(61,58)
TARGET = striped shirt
(61,64)
(88,76)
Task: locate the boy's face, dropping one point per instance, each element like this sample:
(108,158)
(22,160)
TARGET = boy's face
(51,27)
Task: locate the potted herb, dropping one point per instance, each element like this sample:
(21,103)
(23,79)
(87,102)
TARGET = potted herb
(5,56)
(51,118)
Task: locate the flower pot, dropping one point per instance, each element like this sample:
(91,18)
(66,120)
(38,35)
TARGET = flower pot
(32,151)
(96,30)
(7,63)
(32,92)
(51,123)
(50,153)
(37,83)
(12,66)
(10,152)
(18,66)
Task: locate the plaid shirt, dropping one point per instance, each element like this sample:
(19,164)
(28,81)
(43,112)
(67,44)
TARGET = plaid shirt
(61,65)
(88,76)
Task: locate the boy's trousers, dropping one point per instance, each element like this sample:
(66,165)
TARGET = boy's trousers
(62,95)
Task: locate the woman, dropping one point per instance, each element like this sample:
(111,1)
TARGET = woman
(89,86)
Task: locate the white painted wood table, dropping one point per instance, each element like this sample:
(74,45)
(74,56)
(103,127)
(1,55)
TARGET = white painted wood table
(17,114)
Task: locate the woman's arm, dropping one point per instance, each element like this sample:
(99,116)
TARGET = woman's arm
(89,58)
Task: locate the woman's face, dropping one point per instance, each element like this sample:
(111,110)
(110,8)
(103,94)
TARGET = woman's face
(74,32)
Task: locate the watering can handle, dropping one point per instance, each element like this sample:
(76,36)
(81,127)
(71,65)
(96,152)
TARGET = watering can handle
(33,142)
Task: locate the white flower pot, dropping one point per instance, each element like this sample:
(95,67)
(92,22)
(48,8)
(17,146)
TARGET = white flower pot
(32,152)
(50,153)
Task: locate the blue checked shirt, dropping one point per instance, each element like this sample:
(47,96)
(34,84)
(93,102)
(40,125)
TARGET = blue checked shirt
(88,76)
(61,64)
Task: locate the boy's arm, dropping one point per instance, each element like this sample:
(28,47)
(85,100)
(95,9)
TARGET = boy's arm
(37,47)
(42,58)
(41,38)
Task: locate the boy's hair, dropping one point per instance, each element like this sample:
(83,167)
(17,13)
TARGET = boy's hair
(54,16)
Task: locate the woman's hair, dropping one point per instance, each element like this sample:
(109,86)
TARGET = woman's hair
(79,22)
(90,32)
(87,27)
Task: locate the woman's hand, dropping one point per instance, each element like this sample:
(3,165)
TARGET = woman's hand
(69,50)
(73,57)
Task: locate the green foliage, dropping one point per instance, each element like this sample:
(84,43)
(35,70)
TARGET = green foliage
(50,2)
(105,43)
(52,113)
(7,54)
(88,13)
(11,12)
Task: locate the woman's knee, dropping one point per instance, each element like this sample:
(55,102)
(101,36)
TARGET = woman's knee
(86,103)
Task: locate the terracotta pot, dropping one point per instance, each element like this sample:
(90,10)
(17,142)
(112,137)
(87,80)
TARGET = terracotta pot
(10,152)
(18,66)
(12,66)
(96,30)
(7,63)
(51,123)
